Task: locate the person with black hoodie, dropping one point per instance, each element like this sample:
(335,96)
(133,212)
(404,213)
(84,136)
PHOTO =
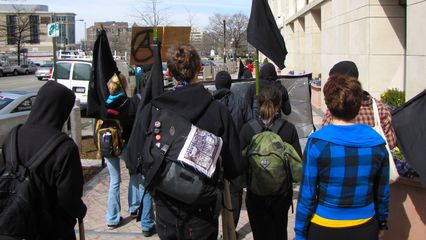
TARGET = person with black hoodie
(175,219)
(240,113)
(267,76)
(59,179)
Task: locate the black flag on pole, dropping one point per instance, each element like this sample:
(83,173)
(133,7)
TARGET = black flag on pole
(410,129)
(155,83)
(103,68)
(263,33)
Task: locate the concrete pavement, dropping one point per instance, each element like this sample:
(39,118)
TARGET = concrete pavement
(95,197)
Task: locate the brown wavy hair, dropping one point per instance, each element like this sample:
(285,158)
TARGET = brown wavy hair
(117,83)
(183,62)
(343,96)
(270,102)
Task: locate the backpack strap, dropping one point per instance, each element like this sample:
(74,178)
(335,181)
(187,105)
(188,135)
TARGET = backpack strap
(276,126)
(255,125)
(40,155)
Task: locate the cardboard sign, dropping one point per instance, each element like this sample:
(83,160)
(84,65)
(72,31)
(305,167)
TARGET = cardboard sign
(142,39)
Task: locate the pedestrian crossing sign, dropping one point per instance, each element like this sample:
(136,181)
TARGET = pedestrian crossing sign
(53,30)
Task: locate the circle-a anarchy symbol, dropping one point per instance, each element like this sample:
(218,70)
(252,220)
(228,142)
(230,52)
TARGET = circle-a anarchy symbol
(144,43)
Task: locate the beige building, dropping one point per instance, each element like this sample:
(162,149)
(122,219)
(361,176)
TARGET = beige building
(33,21)
(385,38)
(118,33)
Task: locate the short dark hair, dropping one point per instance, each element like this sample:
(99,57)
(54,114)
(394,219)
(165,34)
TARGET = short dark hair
(223,80)
(183,62)
(343,96)
(348,68)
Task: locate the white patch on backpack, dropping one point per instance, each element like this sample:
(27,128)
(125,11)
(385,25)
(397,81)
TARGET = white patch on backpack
(265,163)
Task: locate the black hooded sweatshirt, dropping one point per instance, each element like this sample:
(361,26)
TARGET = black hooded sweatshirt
(268,76)
(60,175)
(196,104)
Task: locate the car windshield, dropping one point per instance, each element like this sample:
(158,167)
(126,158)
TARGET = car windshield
(4,101)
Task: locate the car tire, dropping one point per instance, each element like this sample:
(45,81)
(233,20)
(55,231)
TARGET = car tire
(1,73)
(39,78)
(15,72)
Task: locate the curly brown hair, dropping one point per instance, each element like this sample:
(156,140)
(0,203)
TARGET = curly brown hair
(183,62)
(343,96)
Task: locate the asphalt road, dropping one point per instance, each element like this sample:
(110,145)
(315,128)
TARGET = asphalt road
(27,83)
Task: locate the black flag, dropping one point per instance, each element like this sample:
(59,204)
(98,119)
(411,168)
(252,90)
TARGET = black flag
(240,69)
(155,84)
(103,68)
(263,33)
(410,130)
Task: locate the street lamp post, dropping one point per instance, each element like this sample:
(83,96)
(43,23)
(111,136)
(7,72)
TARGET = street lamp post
(85,39)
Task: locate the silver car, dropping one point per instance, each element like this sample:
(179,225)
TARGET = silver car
(15,106)
(44,71)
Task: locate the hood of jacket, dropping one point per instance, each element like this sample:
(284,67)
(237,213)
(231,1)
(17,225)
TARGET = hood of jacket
(356,135)
(221,93)
(192,101)
(52,106)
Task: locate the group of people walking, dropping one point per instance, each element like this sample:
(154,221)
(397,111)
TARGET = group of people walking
(344,174)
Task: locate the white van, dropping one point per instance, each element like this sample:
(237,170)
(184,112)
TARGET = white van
(75,75)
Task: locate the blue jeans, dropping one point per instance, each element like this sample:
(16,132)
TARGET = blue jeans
(147,217)
(133,194)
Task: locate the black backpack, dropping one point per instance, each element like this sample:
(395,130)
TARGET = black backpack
(19,196)
(173,147)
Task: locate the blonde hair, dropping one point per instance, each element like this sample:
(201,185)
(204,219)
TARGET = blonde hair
(117,84)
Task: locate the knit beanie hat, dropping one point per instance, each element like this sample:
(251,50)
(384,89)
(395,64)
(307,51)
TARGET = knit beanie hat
(347,68)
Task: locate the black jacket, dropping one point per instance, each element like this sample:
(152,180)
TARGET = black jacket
(61,175)
(196,104)
(240,111)
(251,94)
(126,108)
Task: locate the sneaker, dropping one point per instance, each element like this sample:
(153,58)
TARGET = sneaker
(114,226)
(134,213)
(150,232)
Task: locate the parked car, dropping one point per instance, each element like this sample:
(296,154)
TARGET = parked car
(15,106)
(27,69)
(75,75)
(7,68)
(43,71)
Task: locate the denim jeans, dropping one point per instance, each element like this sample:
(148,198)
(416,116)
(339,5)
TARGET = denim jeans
(147,216)
(133,194)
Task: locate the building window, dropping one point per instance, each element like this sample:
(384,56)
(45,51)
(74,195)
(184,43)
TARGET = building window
(11,29)
(34,29)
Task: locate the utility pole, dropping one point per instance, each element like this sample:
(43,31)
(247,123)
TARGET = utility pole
(224,41)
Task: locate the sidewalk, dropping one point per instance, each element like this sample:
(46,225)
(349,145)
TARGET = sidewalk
(95,197)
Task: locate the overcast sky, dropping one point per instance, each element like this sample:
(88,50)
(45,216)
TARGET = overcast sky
(124,10)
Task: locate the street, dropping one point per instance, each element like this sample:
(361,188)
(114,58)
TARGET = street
(27,83)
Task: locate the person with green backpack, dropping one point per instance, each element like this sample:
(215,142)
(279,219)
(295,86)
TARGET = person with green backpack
(271,147)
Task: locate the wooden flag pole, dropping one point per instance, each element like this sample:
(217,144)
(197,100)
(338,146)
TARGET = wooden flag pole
(256,62)
(228,227)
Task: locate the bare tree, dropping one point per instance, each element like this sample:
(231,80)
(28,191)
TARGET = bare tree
(16,28)
(152,14)
(235,32)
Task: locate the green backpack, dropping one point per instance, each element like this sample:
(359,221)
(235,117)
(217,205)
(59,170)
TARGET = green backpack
(272,162)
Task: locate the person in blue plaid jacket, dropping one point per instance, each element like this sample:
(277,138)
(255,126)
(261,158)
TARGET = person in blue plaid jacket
(344,192)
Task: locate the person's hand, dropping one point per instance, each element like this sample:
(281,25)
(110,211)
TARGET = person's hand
(381,233)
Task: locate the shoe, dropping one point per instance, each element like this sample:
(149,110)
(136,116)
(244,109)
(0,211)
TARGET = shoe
(150,232)
(134,213)
(114,226)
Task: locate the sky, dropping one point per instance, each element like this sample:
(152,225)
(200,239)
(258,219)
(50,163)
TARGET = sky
(178,11)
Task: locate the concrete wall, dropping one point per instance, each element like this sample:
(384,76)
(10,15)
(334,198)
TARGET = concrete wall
(416,47)
(369,32)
